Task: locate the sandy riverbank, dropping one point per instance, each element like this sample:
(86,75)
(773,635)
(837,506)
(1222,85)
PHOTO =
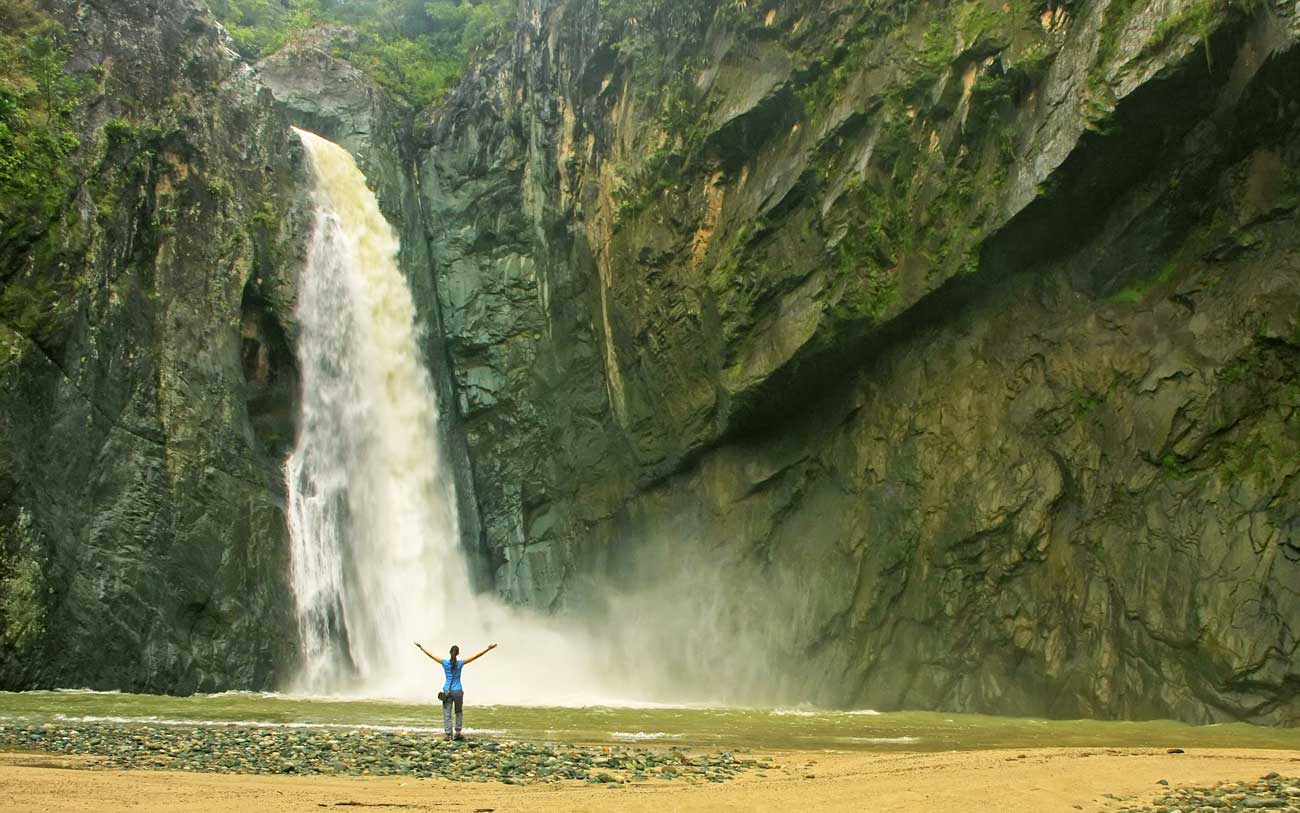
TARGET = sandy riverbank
(1051,779)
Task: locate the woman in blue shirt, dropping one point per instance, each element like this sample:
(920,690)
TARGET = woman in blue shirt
(452,694)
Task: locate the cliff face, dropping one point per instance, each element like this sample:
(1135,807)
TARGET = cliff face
(926,354)
(951,348)
(146,374)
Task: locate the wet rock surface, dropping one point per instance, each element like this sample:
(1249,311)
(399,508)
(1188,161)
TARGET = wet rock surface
(351,752)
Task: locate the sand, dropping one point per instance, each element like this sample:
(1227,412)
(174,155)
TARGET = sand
(1047,779)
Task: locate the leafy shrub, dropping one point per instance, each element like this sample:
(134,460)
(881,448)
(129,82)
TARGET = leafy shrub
(37,136)
(22,587)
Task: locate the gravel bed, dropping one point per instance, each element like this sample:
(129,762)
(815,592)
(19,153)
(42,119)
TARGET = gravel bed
(1272,792)
(359,752)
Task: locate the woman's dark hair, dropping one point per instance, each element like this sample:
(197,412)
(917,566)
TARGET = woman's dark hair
(455,650)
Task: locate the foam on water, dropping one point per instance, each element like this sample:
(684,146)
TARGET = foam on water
(882,740)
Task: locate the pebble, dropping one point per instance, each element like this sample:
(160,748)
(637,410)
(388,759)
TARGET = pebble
(1271,792)
(231,749)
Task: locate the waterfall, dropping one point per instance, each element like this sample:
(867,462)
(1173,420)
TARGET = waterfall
(371,513)
(376,561)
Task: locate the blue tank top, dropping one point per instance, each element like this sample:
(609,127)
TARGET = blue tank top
(452,683)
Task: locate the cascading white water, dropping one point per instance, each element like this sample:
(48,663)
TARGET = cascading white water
(376,563)
(371,516)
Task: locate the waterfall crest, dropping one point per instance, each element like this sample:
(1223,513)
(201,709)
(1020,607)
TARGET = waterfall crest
(376,563)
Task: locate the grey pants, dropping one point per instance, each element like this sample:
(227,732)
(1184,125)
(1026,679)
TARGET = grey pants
(456,699)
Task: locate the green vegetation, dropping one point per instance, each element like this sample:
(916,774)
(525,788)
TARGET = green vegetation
(38,143)
(126,155)
(413,48)
(1176,467)
(1080,408)
(925,203)
(976,20)
(940,45)
(683,117)
(831,70)
(1116,17)
(1085,402)
(22,611)
(37,135)
(1132,295)
(1033,61)
(1199,20)
(867,255)
(1136,292)
(924,200)
(1238,370)
(13,347)
(1263,379)
(654,34)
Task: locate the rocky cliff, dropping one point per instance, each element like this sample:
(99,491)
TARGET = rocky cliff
(905,355)
(146,371)
(927,355)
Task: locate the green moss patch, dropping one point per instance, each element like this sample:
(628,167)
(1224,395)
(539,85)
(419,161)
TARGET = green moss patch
(37,134)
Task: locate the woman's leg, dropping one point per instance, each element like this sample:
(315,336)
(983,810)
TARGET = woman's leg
(446,716)
(460,710)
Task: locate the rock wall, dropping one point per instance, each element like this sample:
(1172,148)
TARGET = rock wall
(147,383)
(911,355)
(956,342)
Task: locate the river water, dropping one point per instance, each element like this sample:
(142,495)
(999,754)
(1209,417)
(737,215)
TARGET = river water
(714,728)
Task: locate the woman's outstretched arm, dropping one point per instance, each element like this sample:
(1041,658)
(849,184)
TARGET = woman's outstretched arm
(479,655)
(431,655)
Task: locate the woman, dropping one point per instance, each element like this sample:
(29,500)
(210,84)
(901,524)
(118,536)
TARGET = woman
(452,693)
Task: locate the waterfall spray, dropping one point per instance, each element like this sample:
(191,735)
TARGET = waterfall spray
(376,563)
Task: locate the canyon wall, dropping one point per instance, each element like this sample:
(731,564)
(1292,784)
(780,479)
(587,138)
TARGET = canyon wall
(147,387)
(923,355)
(904,355)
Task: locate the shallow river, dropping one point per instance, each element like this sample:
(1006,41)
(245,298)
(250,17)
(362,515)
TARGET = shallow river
(726,728)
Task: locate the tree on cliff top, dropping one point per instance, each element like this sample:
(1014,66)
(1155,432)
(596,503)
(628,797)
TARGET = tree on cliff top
(413,48)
